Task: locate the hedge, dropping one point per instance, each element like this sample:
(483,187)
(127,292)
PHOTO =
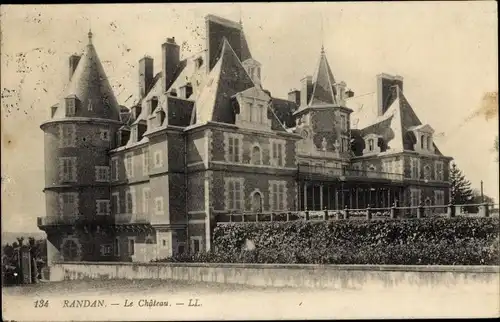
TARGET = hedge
(430,241)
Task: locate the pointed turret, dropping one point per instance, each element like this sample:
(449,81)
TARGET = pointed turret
(89,91)
(323,83)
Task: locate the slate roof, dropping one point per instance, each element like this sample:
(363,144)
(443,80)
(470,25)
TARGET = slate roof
(323,90)
(395,125)
(284,110)
(90,85)
(323,81)
(226,78)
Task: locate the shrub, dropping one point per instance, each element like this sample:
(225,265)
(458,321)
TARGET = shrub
(430,241)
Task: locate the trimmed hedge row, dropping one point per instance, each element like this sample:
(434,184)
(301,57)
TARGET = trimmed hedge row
(430,241)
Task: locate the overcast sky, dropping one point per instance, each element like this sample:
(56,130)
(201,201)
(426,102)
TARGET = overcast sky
(446,52)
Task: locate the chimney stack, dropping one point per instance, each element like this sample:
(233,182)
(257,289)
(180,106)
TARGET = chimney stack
(170,60)
(186,90)
(306,91)
(73,62)
(294,96)
(145,75)
(385,91)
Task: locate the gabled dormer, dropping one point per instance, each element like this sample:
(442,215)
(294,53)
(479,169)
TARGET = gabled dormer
(371,144)
(252,109)
(424,138)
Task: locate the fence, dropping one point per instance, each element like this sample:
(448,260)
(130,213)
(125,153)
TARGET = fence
(483,210)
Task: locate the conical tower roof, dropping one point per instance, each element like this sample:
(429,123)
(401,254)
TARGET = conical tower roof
(90,86)
(323,82)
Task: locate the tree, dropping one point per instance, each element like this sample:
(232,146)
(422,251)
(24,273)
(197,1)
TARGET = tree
(478,199)
(461,191)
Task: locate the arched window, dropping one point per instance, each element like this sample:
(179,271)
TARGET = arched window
(429,143)
(256,202)
(422,141)
(70,250)
(256,155)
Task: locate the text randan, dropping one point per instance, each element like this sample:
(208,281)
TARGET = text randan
(83,303)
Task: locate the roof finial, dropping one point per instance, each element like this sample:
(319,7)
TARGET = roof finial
(322,36)
(90,36)
(241,22)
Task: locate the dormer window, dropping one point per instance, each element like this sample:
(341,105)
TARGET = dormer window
(423,133)
(199,62)
(70,106)
(371,143)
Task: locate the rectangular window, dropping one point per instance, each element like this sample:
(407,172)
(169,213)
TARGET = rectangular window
(104,135)
(415,168)
(67,135)
(145,162)
(102,207)
(131,246)
(233,145)
(69,204)
(234,193)
(159,205)
(277,153)
(343,122)
(439,171)
(106,250)
(70,107)
(146,195)
(195,244)
(158,159)
(130,201)
(102,174)
(114,169)
(67,169)
(129,166)
(277,191)
(439,198)
(415,198)
(234,155)
(115,202)
(117,246)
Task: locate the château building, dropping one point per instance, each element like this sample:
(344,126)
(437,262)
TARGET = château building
(205,138)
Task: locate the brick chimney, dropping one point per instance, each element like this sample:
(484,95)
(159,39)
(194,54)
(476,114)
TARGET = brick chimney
(145,75)
(385,91)
(294,96)
(73,62)
(170,61)
(306,92)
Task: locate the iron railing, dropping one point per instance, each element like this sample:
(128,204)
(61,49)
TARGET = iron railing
(484,210)
(346,172)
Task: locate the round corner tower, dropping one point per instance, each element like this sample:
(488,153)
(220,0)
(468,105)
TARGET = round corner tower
(77,139)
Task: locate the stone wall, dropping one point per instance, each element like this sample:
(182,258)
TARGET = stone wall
(359,277)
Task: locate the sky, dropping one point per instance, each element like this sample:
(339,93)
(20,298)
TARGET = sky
(446,51)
